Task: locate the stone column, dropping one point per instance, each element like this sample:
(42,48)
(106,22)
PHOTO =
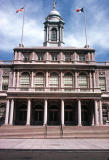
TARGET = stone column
(61,81)
(90,79)
(96,113)
(11,112)
(32,79)
(46,78)
(79,113)
(62,112)
(15,55)
(45,112)
(94,81)
(76,80)
(7,113)
(28,112)
(14,74)
(101,113)
(18,79)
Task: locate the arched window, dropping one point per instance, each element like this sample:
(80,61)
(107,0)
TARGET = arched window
(54,34)
(83,81)
(39,80)
(54,80)
(25,79)
(5,83)
(68,80)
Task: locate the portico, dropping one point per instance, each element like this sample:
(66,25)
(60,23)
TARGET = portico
(76,112)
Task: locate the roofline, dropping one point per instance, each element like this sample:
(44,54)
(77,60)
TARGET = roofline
(54,48)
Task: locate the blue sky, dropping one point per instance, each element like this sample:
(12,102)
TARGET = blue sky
(36,11)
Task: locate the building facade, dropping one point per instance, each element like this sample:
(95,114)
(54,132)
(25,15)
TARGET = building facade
(54,84)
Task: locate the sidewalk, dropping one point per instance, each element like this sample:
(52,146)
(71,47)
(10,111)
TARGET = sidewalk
(54,144)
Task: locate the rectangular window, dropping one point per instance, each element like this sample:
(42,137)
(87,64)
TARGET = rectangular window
(54,81)
(68,81)
(40,57)
(81,57)
(39,81)
(102,83)
(5,83)
(67,57)
(54,56)
(83,82)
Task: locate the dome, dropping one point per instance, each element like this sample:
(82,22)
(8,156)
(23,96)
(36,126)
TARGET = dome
(54,13)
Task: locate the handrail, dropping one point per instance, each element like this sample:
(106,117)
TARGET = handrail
(45,134)
(61,130)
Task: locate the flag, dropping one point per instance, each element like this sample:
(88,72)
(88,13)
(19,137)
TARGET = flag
(20,10)
(80,10)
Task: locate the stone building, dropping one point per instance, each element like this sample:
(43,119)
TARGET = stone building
(54,84)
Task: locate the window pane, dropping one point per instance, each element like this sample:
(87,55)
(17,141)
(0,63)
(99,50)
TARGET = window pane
(102,83)
(82,57)
(68,80)
(40,57)
(5,83)
(54,80)
(83,81)
(39,80)
(54,35)
(54,57)
(25,79)
(68,57)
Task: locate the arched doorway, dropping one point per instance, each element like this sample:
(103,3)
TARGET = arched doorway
(21,115)
(53,115)
(37,115)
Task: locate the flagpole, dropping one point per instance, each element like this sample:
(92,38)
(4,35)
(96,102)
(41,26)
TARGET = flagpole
(22,28)
(85,26)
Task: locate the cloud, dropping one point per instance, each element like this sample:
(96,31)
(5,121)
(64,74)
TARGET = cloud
(97,24)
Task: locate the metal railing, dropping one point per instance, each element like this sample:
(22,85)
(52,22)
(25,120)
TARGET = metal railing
(61,130)
(45,133)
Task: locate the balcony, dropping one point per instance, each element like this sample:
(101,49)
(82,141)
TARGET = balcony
(52,90)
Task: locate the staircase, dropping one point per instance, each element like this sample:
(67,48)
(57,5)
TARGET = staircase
(40,132)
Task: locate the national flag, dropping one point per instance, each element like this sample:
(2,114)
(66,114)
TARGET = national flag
(20,10)
(80,10)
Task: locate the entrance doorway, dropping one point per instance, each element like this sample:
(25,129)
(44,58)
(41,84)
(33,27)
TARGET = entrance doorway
(37,115)
(53,115)
(21,115)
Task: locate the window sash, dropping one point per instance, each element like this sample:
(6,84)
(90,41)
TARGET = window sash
(54,81)
(25,80)
(68,81)
(83,83)
(39,81)
(102,83)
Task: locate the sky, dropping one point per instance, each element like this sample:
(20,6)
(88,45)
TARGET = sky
(97,15)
